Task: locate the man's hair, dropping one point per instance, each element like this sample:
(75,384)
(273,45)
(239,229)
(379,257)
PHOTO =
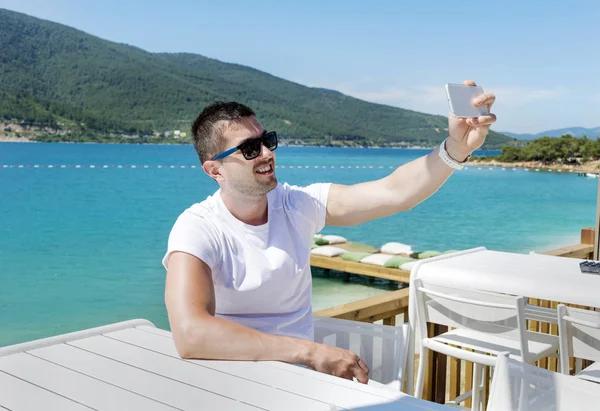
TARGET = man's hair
(207,129)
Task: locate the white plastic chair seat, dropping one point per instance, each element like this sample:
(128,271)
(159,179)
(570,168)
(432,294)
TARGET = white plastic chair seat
(540,345)
(591,373)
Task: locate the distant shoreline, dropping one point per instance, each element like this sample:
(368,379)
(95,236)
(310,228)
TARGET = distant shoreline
(4,139)
(26,140)
(589,167)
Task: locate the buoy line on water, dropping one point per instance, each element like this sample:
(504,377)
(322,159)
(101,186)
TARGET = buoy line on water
(171,166)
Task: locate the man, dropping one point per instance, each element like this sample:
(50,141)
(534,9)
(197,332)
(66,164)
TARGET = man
(238,281)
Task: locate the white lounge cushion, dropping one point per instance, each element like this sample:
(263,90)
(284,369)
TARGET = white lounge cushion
(377,259)
(328,251)
(321,239)
(396,248)
(335,239)
(539,344)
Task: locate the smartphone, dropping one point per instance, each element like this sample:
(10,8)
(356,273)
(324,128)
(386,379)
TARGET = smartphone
(460,100)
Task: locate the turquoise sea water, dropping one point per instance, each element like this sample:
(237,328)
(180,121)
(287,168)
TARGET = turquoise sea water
(81,247)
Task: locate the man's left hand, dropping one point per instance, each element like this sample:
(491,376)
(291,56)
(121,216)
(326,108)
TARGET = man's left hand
(468,134)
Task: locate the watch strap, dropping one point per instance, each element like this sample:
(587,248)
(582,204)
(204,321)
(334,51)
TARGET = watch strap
(449,161)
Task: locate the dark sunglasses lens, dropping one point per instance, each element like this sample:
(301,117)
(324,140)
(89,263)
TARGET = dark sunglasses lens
(251,149)
(270,140)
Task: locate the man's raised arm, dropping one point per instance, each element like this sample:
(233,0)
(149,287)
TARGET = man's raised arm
(190,300)
(413,182)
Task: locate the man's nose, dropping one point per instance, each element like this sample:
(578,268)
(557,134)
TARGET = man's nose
(265,152)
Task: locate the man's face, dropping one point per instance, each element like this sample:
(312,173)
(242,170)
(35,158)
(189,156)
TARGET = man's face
(254,177)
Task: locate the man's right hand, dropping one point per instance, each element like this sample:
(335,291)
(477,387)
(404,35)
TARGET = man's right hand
(338,362)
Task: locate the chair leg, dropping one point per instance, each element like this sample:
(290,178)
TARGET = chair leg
(476,397)
(421,372)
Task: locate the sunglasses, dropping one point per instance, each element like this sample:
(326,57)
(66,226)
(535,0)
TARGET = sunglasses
(251,148)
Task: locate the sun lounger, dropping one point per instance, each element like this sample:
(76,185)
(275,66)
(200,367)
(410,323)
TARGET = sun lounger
(393,261)
(356,267)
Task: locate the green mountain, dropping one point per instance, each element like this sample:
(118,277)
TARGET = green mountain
(55,76)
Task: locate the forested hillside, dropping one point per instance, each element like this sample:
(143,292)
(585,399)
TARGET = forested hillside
(60,78)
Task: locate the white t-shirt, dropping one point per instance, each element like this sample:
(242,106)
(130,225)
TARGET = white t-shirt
(261,274)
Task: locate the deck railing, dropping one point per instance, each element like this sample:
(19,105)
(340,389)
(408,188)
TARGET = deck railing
(448,377)
(383,307)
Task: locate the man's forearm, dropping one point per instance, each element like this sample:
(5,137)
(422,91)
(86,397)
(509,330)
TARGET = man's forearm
(416,181)
(403,189)
(217,338)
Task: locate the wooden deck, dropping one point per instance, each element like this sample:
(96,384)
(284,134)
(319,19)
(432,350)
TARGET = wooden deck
(353,267)
(584,251)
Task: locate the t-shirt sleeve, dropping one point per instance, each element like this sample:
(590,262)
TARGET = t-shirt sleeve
(194,235)
(310,202)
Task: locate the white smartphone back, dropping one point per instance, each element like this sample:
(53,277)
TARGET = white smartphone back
(460,100)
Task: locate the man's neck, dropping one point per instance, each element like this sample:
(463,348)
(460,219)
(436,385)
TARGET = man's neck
(251,210)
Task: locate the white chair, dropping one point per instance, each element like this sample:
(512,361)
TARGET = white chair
(579,335)
(383,348)
(518,386)
(488,323)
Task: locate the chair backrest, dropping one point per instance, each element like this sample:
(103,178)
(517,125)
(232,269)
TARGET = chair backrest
(384,348)
(579,335)
(491,313)
(520,386)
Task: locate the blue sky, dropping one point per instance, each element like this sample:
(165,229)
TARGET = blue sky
(541,58)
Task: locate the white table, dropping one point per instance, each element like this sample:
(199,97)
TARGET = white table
(530,275)
(134,366)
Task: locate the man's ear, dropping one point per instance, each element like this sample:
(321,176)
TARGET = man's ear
(213,169)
